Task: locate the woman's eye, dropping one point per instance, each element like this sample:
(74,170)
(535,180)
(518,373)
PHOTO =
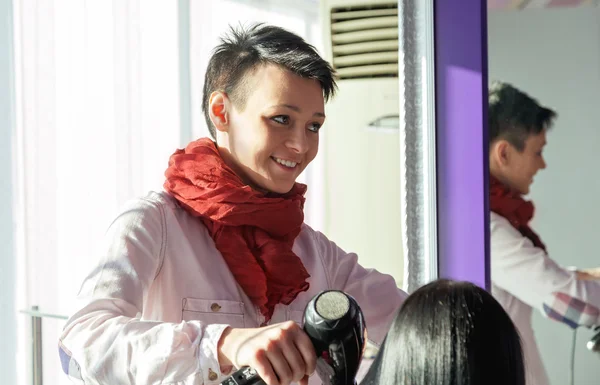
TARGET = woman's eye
(314,127)
(281,119)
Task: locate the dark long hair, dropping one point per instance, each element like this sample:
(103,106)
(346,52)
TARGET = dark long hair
(449,333)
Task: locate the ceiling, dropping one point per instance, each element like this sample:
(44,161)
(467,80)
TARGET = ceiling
(508,5)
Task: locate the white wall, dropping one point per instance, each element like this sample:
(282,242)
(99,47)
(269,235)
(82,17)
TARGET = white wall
(554,55)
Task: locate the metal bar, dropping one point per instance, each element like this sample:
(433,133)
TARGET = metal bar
(418,142)
(36,334)
(35,313)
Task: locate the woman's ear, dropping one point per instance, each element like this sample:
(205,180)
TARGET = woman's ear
(217,110)
(501,152)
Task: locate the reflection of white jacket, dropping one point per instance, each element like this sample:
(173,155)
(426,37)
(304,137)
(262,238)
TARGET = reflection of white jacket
(155,306)
(523,277)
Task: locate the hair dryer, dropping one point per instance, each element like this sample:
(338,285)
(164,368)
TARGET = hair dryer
(594,343)
(335,324)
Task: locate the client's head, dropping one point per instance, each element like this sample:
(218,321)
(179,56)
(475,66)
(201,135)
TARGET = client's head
(449,333)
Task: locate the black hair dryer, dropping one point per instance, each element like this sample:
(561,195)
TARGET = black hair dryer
(336,326)
(594,344)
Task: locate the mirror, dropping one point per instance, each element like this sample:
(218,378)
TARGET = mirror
(551,51)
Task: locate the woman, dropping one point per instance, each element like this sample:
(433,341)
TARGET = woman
(449,333)
(214,272)
(525,277)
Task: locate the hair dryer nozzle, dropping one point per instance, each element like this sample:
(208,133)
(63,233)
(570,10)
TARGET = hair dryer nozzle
(336,326)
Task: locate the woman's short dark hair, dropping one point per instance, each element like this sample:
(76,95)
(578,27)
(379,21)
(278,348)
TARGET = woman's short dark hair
(514,116)
(244,48)
(449,333)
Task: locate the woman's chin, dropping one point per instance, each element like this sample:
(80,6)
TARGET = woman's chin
(280,187)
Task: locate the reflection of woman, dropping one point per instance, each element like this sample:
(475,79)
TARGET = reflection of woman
(212,273)
(524,277)
(449,333)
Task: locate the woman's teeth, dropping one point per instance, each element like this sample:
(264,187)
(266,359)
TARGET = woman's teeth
(286,163)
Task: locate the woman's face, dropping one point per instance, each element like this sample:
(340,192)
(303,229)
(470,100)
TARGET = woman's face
(271,139)
(517,168)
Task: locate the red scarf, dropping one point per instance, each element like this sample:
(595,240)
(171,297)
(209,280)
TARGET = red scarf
(510,204)
(254,232)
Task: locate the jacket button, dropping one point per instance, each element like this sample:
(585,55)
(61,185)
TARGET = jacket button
(215,307)
(212,376)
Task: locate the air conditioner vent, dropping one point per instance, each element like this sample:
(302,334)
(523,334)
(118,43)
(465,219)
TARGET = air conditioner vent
(364,41)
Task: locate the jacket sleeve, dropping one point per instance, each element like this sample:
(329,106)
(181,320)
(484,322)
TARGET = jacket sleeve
(376,293)
(528,273)
(107,342)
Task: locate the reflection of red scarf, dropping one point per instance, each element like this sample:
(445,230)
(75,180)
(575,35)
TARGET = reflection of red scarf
(510,204)
(254,232)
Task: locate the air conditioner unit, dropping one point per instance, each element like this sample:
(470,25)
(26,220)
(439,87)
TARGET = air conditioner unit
(361,137)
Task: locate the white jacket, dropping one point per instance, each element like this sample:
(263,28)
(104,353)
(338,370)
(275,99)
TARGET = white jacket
(523,278)
(155,306)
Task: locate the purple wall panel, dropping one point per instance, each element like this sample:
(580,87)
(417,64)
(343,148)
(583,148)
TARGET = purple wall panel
(462,155)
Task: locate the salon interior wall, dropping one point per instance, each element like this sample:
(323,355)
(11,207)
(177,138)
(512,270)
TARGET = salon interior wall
(554,54)
(359,200)
(362,171)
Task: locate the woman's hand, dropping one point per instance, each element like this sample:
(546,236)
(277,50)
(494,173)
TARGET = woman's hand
(280,353)
(589,274)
